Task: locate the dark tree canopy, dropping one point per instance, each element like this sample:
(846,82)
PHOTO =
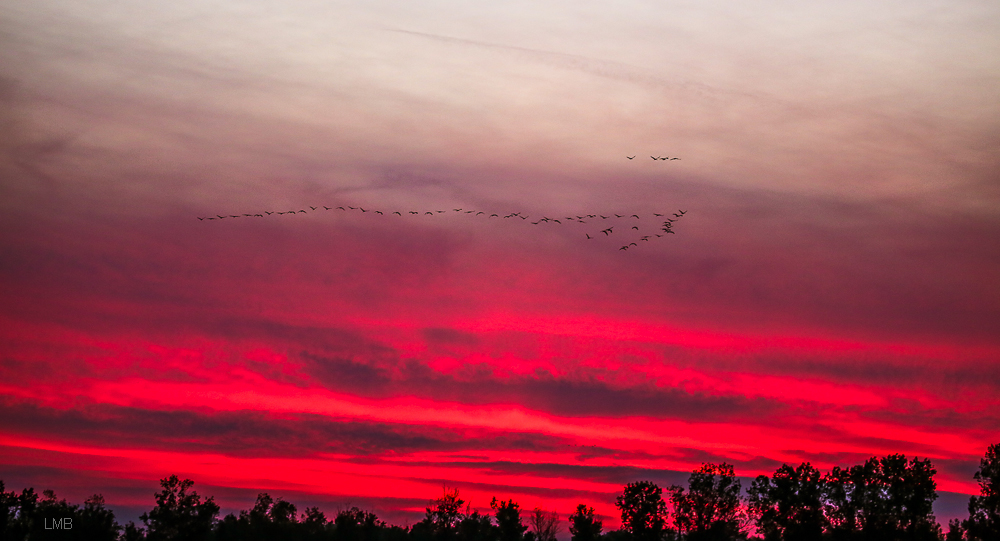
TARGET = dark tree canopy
(583,525)
(888,498)
(180,515)
(710,509)
(508,517)
(788,506)
(643,511)
(26,516)
(984,510)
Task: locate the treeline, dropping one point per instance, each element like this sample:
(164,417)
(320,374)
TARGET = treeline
(888,498)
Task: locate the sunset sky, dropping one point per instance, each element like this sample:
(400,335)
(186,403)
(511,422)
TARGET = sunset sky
(831,294)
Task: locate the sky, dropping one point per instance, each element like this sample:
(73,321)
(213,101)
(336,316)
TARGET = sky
(830,294)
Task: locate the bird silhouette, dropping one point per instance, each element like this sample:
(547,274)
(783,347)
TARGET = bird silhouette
(635,227)
(588,236)
(379,212)
(314,208)
(654,157)
(210,218)
(603,217)
(414,212)
(259,215)
(302,211)
(327,208)
(624,247)
(200,218)
(674,158)
(664,158)
(397,212)
(429,212)
(250,215)
(636,216)
(630,157)
(494,215)
(633,244)
(352,208)
(683,212)
(619,216)
(657,214)
(362,210)
(557,221)
(480,212)
(457,210)
(268,212)
(341,208)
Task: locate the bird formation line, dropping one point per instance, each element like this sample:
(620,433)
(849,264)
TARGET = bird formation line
(634,222)
(655,157)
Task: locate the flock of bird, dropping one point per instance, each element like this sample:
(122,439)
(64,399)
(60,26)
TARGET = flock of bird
(655,158)
(640,226)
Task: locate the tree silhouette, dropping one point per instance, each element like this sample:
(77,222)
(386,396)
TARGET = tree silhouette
(508,517)
(710,509)
(984,510)
(788,506)
(26,516)
(887,498)
(583,525)
(643,511)
(544,524)
(356,525)
(179,515)
(442,517)
(475,526)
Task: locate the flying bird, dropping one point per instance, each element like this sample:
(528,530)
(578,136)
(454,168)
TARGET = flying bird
(635,227)
(624,248)
(630,157)
(654,157)
(341,208)
(619,216)
(200,218)
(327,208)
(674,158)
(414,212)
(429,212)
(379,212)
(657,214)
(312,207)
(683,212)
(636,216)
(588,236)
(397,212)
(633,244)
